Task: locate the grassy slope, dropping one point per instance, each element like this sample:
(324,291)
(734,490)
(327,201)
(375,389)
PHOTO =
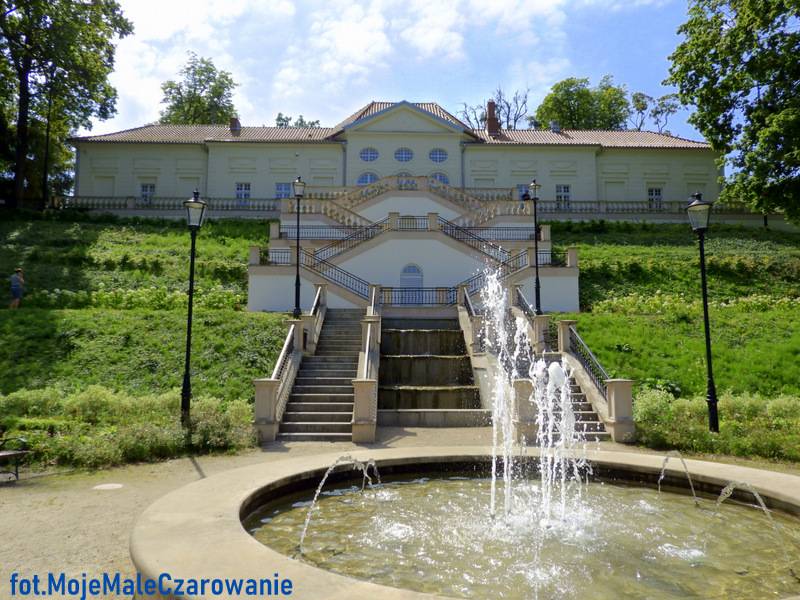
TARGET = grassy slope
(137,351)
(640,291)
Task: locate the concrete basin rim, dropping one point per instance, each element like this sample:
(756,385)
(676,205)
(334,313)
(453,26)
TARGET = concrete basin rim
(196,530)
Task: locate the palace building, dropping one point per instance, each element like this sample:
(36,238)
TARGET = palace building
(400,195)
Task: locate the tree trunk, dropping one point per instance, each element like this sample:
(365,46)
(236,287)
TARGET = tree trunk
(23,110)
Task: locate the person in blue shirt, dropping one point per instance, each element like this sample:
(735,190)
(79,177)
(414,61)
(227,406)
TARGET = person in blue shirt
(17,285)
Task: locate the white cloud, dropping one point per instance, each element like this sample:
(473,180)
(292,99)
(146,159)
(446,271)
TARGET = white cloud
(325,58)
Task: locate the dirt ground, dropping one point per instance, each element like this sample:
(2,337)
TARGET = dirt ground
(61,523)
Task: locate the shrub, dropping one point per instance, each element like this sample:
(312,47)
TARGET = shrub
(221,427)
(749,425)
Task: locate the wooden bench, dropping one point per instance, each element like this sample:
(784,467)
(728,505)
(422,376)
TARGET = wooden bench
(13,456)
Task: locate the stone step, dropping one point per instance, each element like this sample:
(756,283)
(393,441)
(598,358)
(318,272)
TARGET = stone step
(589,426)
(315,437)
(333,353)
(322,389)
(327,348)
(315,427)
(327,359)
(325,417)
(344,407)
(323,381)
(349,372)
(321,397)
(337,339)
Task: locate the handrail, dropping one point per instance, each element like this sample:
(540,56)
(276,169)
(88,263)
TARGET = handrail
(373,301)
(336,274)
(367,344)
(419,296)
(524,305)
(288,348)
(468,304)
(588,360)
(474,241)
(512,265)
(362,234)
(317,301)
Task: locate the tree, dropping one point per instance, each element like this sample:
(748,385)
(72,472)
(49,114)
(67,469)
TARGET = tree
(286,121)
(738,66)
(663,109)
(640,103)
(202,97)
(76,39)
(574,105)
(510,110)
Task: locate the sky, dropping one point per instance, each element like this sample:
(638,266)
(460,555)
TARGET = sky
(324,59)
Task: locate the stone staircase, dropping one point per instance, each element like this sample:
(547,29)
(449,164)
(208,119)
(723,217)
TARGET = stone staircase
(587,420)
(320,407)
(425,370)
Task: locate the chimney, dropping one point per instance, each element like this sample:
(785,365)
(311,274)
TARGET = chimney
(555,127)
(492,124)
(235,126)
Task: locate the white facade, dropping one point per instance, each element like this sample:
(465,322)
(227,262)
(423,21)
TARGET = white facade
(429,202)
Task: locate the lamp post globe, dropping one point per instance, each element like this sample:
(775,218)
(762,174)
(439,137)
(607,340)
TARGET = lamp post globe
(298,187)
(195,212)
(533,191)
(699,213)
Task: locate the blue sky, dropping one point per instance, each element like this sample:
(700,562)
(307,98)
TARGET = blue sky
(325,59)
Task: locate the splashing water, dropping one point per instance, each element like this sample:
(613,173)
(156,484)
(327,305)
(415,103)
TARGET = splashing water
(561,447)
(676,454)
(357,465)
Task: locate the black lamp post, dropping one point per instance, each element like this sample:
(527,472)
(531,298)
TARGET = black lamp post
(299,187)
(195,211)
(699,212)
(534,195)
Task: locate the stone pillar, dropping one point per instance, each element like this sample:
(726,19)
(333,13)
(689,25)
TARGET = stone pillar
(298,333)
(376,289)
(572,257)
(433,221)
(461,294)
(532,257)
(545,235)
(308,327)
(265,407)
(540,326)
(292,252)
(525,412)
(365,410)
(275,230)
(254,255)
(563,335)
(393,218)
(619,396)
(477,327)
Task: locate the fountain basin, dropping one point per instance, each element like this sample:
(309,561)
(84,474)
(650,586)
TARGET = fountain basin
(197,531)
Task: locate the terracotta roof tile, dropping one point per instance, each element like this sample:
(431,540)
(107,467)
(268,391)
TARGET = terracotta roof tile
(198,134)
(376,107)
(623,138)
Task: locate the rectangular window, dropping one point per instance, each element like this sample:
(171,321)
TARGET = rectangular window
(242,191)
(562,196)
(147,192)
(654,198)
(283,190)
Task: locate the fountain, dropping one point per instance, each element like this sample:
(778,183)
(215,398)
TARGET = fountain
(564,520)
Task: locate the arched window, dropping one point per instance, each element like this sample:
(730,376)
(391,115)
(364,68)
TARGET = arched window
(438,155)
(441,178)
(368,154)
(411,276)
(403,154)
(366,178)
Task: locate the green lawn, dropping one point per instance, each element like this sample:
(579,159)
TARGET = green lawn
(100,339)
(103,325)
